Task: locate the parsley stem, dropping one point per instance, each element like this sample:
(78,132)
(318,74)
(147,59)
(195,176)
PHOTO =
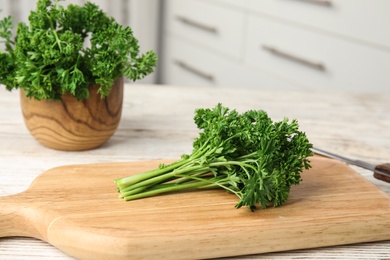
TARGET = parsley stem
(169,175)
(53,30)
(132,179)
(169,188)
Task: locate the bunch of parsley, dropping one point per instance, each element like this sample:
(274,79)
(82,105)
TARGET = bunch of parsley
(66,49)
(246,154)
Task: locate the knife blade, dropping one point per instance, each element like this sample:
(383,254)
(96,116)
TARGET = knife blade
(381,171)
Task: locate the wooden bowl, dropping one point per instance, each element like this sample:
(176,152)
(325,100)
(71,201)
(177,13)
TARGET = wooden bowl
(73,125)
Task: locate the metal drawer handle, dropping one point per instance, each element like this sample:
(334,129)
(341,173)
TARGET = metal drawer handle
(319,2)
(313,64)
(196,24)
(195,71)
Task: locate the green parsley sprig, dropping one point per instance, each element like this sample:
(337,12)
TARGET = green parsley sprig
(66,49)
(246,154)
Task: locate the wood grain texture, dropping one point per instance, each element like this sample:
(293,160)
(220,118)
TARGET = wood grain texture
(74,125)
(76,209)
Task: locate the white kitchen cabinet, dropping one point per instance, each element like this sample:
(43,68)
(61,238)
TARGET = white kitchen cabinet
(314,59)
(359,20)
(206,25)
(287,44)
(188,65)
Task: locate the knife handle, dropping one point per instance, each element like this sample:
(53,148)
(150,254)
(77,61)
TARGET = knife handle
(382,172)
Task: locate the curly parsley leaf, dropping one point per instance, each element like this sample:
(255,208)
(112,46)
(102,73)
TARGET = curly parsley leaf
(50,57)
(7,62)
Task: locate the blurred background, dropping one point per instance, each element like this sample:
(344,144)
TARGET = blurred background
(284,44)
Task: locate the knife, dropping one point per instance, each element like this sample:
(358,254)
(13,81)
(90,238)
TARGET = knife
(381,171)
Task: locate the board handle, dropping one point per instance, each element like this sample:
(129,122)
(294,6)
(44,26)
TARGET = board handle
(19,218)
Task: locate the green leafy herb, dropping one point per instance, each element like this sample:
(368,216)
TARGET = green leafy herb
(246,154)
(66,49)
(7,63)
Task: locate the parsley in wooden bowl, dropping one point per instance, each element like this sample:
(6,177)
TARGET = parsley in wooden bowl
(69,64)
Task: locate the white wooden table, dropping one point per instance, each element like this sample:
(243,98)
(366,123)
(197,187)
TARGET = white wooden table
(157,123)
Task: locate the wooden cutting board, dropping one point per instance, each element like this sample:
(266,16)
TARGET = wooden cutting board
(76,209)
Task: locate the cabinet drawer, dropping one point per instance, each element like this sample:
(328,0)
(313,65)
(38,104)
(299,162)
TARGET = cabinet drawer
(315,59)
(220,29)
(186,65)
(361,19)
